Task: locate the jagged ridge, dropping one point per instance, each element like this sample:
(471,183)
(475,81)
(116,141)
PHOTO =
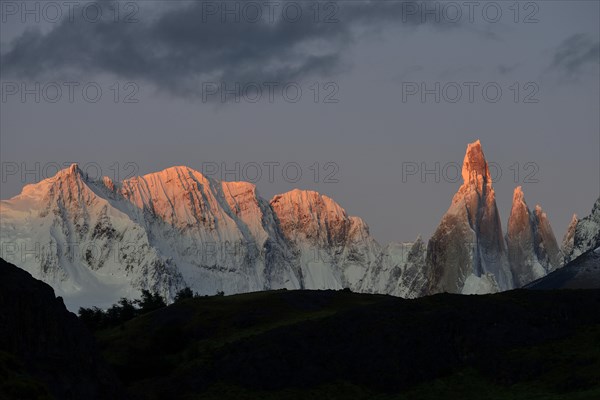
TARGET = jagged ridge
(96,241)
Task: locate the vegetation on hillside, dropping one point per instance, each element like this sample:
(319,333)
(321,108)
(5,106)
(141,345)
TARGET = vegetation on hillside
(96,318)
(343,345)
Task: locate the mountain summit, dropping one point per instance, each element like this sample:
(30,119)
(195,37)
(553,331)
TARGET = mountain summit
(475,171)
(467,253)
(95,241)
(532,247)
(586,235)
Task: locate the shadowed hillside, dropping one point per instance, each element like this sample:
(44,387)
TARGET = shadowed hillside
(581,273)
(305,344)
(338,345)
(45,351)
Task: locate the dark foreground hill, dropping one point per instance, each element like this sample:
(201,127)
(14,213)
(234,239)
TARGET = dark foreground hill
(45,351)
(581,273)
(522,344)
(342,345)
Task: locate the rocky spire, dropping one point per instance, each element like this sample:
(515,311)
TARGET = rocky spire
(475,171)
(569,238)
(467,252)
(546,246)
(532,247)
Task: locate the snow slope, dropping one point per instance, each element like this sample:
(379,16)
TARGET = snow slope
(97,241)
(587,233)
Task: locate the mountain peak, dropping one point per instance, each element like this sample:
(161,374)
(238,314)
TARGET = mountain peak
(518,195)
(317,219)
(72,170)
(574,219)
(519,207)
(532,247)
(586,233)
(538,210)
(172,172)
(311,201)
(467,253)
(475,168)
(71,178)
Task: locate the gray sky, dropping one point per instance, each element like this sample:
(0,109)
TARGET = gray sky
(360,120)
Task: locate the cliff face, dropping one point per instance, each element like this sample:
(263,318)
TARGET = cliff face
(334,250)
(50,343)
(569,239)
(467,252)
(532,248)
(587,233)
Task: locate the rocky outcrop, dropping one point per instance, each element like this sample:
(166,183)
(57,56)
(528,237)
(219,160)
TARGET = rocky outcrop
(569,239)
(334,250)
(532,247)
(587,233)
(467,252)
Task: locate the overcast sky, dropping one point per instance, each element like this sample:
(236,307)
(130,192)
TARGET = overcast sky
(344,93)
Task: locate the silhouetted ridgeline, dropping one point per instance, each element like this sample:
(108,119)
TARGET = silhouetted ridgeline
(45,351)
(581,273)
(343,345)
(302,344)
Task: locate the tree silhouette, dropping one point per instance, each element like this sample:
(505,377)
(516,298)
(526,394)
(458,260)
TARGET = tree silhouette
(150,301)
(185,293)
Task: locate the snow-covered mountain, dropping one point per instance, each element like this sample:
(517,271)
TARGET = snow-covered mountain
(400,272)
(333,249)
(467,253)
(66,232)
(586,236)
(97,241)
(532,248)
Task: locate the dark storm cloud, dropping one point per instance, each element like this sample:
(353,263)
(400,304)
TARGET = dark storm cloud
(574,54)
(182,46)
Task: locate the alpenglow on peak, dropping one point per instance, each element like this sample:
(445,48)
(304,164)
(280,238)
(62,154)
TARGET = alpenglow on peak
(475,169)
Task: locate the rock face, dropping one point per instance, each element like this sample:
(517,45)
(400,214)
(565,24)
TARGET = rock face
(587,233)
(221,236)
(406,266)
(52,345)
(547,250)
(97,241)
(532,247)
(333,249)
(569,239)
(399,271)
(467,252)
